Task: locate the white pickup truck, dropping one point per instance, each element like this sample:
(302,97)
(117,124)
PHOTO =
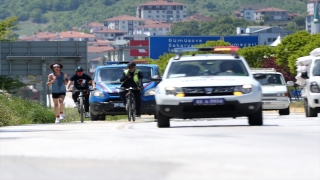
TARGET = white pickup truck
(308,77)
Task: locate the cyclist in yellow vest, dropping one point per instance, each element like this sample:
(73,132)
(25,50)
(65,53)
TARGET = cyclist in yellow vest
(132,78)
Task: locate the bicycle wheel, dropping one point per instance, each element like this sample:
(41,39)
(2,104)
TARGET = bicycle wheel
(81,110)
(128,108)
(133,109)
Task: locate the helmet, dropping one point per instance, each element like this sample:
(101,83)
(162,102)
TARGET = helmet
(79,69)
(131,64)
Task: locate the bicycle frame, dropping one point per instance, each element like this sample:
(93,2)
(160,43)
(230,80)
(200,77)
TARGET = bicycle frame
(131,106)
(80,100)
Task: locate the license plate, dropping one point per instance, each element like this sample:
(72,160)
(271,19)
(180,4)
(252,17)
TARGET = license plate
(266,102)
(118,105)
(218,101)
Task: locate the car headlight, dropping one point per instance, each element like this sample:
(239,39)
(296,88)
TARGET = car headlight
(98,93)
(175,91)
(314,88)
(150,92)
(240,90)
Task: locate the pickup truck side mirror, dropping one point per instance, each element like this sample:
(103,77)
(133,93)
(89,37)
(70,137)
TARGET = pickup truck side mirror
(259,76)
(290,83)
(156,78)
(304,75)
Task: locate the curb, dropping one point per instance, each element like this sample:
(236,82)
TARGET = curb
(292,110)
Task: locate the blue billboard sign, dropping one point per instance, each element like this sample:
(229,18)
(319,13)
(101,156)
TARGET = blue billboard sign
(165,44)
(242,41)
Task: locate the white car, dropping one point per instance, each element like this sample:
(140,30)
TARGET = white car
(275,94)
(208,86)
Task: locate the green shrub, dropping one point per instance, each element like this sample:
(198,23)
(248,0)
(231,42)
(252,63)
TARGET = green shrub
(14,111)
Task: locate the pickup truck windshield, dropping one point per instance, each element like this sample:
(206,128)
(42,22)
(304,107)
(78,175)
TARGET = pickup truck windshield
(272,80)
(113,75)
(207,68)
(316,68)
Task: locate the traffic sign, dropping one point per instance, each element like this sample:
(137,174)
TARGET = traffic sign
(165,44)
(242,41)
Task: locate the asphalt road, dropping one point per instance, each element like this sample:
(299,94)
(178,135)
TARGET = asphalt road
(285,148)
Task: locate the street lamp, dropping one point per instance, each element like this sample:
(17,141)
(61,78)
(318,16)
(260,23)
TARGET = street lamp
(316,13)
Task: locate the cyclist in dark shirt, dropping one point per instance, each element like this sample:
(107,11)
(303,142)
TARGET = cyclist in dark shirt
(81,81)
(132,78)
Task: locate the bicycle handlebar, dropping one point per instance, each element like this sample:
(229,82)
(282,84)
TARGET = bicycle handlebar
(81,90)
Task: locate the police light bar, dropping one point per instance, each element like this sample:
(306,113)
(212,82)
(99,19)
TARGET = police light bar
(208,49)
(231,49)
(116,62)
(193,49)
(225,48)
(141,61)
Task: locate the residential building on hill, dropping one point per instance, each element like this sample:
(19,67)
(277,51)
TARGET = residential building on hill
(248,11)
(271,14)
(124,23)
(109,34)
(91,27)
(153,28)
(162,10)
(61,36)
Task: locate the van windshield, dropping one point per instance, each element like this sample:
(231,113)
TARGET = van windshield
(272,80)
(316,68)
(113,75)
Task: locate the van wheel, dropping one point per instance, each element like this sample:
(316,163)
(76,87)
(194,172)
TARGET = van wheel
(163,121)
(310,112)
(102,117)
(284,111)
(256,119)
(94,117)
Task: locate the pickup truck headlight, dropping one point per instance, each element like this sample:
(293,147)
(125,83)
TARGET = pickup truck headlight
(314,88)
(150,92)
(98,93)
(240,90)
(175,91)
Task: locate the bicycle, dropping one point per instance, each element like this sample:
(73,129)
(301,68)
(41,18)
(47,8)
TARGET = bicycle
(130,106)
(80,99)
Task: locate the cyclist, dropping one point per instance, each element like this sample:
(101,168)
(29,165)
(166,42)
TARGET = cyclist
(132,78)
(58,80)
(81,82)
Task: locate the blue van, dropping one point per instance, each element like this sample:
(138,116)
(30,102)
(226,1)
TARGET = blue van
(106,100)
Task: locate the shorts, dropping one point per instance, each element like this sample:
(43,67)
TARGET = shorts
(57,95)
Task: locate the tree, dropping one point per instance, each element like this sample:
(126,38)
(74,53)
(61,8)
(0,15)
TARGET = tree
(289,45)
(6,27)
(256,54)
(271,63)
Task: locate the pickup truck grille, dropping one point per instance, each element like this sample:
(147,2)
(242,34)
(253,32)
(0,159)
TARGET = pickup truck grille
(208,91)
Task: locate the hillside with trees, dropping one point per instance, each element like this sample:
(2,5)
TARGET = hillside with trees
(62,14)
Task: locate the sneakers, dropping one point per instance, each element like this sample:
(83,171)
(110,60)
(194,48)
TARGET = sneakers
(62,116)
(87,115)
(57,120)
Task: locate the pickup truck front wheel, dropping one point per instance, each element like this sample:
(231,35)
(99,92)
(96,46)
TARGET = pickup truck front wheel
(256,119)
(310,112)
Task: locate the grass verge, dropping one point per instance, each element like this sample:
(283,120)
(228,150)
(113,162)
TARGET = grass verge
(15,111)
(297,104)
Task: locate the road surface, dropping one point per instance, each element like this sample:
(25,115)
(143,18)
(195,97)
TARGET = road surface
(285,148)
